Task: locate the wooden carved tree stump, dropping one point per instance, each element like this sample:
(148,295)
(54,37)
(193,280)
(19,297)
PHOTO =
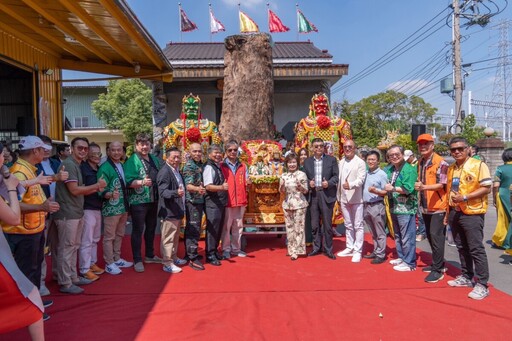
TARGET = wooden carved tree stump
(248,98)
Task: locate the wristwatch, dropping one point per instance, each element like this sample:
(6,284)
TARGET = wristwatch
(465,198)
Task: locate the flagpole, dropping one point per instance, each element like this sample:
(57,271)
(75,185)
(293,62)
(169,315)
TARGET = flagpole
(210,20)
(179,21)
(297,14)
(268,17)
(239,18)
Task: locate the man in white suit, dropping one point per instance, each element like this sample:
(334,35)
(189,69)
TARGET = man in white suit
(350,196)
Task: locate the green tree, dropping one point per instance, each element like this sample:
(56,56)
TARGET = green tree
(372,116)
(126,106)
(470,131)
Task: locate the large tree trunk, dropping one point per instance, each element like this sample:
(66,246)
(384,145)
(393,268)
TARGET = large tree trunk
(248,98)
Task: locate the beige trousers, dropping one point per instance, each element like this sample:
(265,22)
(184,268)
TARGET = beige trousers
(70,235)
(170,239)
(113,232)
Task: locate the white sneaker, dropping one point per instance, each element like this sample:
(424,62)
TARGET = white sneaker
(172,268)
(356,258)
(403,267)
(345,253)
(123,263)
(113,269)
(396,261)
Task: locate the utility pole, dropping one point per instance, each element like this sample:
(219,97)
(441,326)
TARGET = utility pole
(457,74)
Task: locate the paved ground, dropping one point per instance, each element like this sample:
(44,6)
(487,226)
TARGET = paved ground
(500,269)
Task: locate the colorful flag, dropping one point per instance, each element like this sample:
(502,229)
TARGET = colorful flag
(275,24)
(185,24)
(215,25)
(304,25)
(247,25)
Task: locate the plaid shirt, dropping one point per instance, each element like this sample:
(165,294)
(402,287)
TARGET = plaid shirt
(318,171)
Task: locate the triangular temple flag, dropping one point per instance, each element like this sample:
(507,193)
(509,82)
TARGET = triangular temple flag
(185,24)
(247,25)
(275,24)
(215,25)
(304,25)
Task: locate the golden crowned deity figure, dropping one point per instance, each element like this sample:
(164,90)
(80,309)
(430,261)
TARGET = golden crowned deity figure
(191,128)
(321,123)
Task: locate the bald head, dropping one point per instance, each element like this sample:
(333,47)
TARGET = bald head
(115,149)
(196,152)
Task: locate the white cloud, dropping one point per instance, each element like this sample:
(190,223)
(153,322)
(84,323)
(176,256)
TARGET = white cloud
(408,86)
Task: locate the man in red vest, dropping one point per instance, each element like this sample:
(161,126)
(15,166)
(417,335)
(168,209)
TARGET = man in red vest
(237,177)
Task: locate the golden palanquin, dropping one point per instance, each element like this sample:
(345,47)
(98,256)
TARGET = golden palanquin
(265,200)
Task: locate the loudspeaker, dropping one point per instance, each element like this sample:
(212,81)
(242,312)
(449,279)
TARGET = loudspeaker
(25,126)
(417,130)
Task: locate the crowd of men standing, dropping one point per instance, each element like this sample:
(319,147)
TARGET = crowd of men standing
(68,201)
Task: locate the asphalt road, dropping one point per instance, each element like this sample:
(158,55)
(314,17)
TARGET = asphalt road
(499,267)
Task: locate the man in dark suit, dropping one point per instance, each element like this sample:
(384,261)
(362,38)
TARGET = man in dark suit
(322,172)
(171,208)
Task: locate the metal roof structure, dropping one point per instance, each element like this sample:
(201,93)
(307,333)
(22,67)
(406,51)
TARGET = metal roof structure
(99,36)
(290,59)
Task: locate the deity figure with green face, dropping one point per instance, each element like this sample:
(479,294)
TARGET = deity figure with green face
(322,123)
(191,128)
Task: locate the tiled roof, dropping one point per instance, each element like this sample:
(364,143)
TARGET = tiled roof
(215,51)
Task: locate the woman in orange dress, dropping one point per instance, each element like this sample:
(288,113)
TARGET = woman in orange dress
(20,302)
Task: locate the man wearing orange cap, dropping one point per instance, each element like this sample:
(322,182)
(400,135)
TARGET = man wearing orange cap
(431,186)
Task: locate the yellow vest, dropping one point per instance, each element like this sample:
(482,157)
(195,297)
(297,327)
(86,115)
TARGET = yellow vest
(33,222)
(469,177)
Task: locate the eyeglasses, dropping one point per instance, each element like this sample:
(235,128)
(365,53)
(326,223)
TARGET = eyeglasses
(82,148)
(98,154)
(318,146)
(457,149)
(394,155)
(232,150)
(348,147)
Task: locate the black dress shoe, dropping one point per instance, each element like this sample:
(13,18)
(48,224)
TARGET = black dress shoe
(314,253)
(370,256)
(196,264)
(213,261)
(219,256)
(330,255)
(378,260)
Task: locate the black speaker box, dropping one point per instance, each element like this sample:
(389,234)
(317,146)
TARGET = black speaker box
(417,130)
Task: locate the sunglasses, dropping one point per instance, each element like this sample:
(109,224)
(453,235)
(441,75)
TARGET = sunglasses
(82,148)
(457,149)
(232,150)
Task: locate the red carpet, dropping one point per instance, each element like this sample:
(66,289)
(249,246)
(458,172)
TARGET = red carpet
(268,297)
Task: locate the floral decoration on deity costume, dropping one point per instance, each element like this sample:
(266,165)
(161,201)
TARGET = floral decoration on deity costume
(321,123)
(191,128)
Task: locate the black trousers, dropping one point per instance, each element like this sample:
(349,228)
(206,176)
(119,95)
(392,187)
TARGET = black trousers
(322,235)
(214,222)
(436,233)
(28,252)
(194,213)
(144,217)
(468,234)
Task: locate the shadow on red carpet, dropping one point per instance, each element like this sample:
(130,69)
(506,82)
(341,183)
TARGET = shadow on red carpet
(266,296)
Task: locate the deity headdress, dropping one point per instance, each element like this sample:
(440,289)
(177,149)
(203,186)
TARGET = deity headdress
(191,107)
(320,106)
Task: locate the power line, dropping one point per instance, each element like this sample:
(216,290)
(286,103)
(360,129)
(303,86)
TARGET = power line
(379,62)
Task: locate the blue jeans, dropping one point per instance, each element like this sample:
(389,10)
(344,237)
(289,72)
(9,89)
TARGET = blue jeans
(405,237)
(421,226)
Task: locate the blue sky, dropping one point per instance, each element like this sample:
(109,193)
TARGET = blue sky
(357,33)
